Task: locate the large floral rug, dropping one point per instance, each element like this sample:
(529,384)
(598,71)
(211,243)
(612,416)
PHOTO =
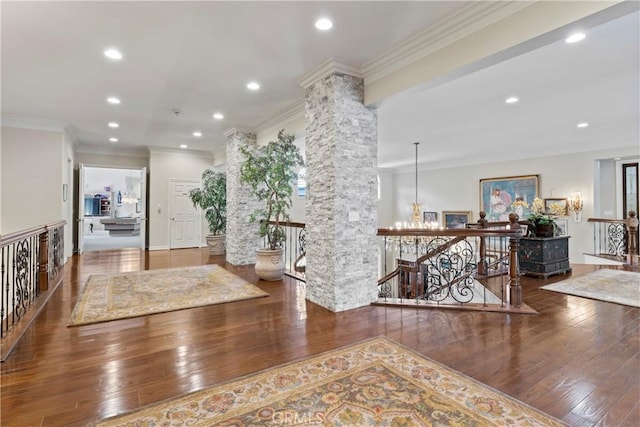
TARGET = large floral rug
(373,383)
(117,296)
(618,286)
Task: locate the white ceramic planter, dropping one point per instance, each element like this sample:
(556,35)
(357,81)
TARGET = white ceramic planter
(270,264)
(216,244)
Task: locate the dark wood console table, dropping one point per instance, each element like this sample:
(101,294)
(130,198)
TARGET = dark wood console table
(544,256)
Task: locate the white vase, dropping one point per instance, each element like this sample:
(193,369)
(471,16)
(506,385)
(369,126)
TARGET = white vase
(270,264)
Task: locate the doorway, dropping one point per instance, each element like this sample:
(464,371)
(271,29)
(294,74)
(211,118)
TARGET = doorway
(185,223)
(111,208)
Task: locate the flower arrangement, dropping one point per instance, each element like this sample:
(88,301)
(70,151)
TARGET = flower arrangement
(520,202)
(540,217)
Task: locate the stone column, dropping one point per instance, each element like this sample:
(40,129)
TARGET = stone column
(242,235)
(341,206)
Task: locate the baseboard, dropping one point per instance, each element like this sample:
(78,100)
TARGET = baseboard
(159,248)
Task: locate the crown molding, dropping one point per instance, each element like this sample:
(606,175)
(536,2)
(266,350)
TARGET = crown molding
(180,152)
(24,122)
(71,136)
(136,151)
(291,112)
(456,26)
(330,66)
(227,133)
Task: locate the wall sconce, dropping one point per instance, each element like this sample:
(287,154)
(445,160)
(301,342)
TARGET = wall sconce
(575,205)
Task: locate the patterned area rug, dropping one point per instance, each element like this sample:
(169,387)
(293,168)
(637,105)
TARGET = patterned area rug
(621,287)
(373,383)
(118,296)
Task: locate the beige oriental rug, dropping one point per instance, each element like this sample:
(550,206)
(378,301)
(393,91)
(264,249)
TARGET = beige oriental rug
(118,296)
(373,383)
(618,286)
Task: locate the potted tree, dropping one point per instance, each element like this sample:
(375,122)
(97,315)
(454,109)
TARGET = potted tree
(212,199)
(270,171)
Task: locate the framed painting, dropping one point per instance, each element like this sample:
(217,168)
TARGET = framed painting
(562,226)
(559,205)
(456,219)
(429,216)
(498,196)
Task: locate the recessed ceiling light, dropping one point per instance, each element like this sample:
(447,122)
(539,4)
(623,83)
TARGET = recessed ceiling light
(582,125)
(113,125)
(218,116)
(197,134)
(511,100)
(253,86)
(575,37)
(183,145)
(113,54)
(113,139)
(324,24)
(113,100)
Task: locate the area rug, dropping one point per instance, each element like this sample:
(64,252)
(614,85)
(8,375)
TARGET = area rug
(372,383)
(118,296)
(620,287)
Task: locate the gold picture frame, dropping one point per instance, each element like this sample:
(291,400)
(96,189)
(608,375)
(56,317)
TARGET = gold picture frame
(562,202)
(498,194)
(456,219)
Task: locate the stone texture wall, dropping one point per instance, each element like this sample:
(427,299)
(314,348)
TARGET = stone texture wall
(341,156)
(242,235)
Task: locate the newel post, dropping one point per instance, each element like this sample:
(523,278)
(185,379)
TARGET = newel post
(43,260)
(515,290)
(632,234)
(482,267)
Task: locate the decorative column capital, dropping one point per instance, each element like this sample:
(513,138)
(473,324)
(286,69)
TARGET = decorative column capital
(249,132)
(328,67)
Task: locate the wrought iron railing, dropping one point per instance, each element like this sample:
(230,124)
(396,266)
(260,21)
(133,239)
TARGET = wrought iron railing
(475,267)
(31,263)
(294,248)
(616,237)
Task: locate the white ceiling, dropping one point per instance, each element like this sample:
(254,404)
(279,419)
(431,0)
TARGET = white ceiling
(198,56)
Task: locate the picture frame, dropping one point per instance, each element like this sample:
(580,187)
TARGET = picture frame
(456,219)
(562,202)
(562,227)
(429,217)
(497,196)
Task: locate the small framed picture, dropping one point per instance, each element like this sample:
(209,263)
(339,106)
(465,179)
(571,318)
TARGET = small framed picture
(430,217)
(560,206)
(562,225)
(456,219)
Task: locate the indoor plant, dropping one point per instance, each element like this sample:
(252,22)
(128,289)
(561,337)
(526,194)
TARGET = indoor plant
(271,171)
(212,199)
(543,222)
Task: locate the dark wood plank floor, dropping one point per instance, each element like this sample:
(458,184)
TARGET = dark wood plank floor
(578,359)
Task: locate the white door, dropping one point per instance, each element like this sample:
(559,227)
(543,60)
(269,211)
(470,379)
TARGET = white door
(142,206)
(80,220)
(184,217)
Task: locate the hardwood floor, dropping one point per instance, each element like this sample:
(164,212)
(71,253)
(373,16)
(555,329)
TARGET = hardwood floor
(578,359)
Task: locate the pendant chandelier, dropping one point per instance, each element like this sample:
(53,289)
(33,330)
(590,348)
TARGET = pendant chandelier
(415,210)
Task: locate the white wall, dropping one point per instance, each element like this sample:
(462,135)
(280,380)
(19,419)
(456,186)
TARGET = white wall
(165,165)
(32,178)
(458,188)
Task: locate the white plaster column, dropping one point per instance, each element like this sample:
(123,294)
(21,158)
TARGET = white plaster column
(242,235)
(341,206)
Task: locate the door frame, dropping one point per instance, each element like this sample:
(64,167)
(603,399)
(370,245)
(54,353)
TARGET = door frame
(170,203)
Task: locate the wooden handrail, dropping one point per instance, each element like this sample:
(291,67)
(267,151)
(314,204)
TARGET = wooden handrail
(289,224)
(606,220)
(453,232)
(7,239)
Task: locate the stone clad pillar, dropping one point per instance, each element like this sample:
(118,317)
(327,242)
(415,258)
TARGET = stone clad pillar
(242,235)
(341,206)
